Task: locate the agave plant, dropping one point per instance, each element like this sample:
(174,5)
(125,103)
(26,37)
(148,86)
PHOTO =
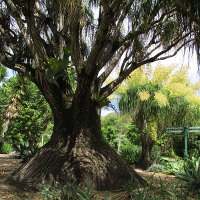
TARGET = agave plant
(191,173)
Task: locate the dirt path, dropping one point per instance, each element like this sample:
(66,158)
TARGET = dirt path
(9,163)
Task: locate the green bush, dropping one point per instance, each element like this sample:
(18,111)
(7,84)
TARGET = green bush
(173,167)
(69,191)
(156,168)
(191,173)
(5,148)
(155,151)
(26,151)
(131,153)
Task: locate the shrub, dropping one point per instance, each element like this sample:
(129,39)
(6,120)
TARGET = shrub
(26,151)
(69,191)
(156,168)
(5,148)
(131,153)
(191,173)
(173,167)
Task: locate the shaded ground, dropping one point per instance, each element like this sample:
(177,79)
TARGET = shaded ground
(9,163)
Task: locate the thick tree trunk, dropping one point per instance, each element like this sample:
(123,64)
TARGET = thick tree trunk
(147,143)
(145,159)
(76,152)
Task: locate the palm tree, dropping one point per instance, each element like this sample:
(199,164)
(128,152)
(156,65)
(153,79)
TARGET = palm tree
(14,92)
(157,103)
(74,52)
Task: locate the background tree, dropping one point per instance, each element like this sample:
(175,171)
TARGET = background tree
(122,135)
(114,128)
(10,104)
(166,99)
(2,72)
(34,116)
(2,76)
(70,46)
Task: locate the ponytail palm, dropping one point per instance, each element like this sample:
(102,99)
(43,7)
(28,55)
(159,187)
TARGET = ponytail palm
(156,102)
(75,46)
(140,102)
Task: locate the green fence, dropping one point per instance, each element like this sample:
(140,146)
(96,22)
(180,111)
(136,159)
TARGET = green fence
(183,130)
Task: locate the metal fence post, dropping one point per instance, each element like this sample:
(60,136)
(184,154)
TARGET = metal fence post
(186,138)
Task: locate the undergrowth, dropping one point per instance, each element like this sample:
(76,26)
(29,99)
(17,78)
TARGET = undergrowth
(156,190)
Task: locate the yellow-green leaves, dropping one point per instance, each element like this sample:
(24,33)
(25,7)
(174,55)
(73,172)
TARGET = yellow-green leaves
(137,77)
(161,74)
(152,128)
(161,98)
(180,86)
(144,95)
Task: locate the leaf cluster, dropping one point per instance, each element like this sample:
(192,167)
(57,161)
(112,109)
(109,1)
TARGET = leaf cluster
(33,112)
(191,173)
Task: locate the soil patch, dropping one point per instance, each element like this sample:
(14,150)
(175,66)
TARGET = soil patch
(8,164)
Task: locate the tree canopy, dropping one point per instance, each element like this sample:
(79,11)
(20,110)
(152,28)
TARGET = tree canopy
(158,99)
(53,32)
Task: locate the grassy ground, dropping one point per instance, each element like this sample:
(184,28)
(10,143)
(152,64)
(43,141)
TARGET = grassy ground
(161,186)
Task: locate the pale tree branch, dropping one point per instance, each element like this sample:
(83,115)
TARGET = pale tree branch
(177,50)
(111,87)
(75,36)
(102,36)
(110,68)
(126,61)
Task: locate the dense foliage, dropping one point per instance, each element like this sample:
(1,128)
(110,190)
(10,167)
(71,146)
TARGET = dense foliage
(122,135)
(156,100)
(26,112)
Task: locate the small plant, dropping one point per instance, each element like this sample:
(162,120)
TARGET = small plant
(131,153)
(156,168)
(160,191)
(171,166)
(26,151)
(5,148)
(191,173)
(69,191)
(130,187)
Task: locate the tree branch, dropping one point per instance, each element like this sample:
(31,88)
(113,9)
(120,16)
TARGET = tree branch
(75,37)
(102,36)
(111,87)
(110,68)
(28,12)
(185,10)
(19,23)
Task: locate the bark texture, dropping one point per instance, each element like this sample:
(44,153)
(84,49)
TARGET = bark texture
(147,143)
(76,152)
(145,159)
